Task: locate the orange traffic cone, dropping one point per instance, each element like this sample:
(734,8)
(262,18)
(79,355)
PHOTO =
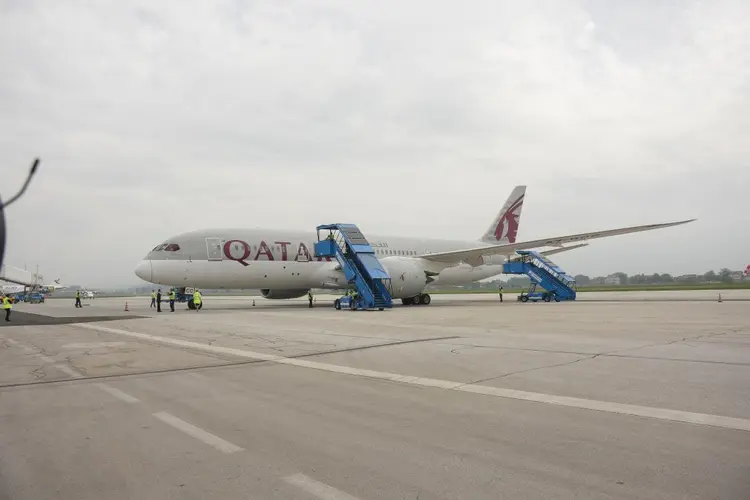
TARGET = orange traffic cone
(126,305)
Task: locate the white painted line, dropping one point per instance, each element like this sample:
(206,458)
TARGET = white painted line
(197,433)
(588,404)
(317,489)
(69,371)
(92,345)
(13,343)
(122,396)
(47,359)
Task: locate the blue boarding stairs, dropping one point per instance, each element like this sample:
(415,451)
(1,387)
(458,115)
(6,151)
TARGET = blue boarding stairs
(557,284)
(363,270)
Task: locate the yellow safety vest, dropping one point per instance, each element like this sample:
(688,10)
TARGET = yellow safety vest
(153,295)
(6,303)
(172,296)
(197,298)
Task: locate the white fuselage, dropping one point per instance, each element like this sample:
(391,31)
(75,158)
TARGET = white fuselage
(260,259)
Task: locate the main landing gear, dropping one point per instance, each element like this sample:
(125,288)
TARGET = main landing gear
(423,299)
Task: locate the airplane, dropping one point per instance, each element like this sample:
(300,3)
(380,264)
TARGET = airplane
(88,294)
(14,288)
(281,265)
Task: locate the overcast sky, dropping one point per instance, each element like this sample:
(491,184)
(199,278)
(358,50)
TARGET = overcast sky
(406,117)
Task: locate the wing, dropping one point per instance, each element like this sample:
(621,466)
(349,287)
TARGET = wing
(473,256)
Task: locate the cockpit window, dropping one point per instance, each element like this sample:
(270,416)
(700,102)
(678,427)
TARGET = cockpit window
(169,247)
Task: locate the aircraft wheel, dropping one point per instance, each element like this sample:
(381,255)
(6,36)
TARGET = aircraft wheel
(407,301)
(425,299)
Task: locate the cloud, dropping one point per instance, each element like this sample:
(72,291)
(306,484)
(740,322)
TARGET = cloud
(156,118)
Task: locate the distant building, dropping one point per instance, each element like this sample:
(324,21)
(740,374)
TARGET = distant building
(737,275)
(687,277)
(613,279)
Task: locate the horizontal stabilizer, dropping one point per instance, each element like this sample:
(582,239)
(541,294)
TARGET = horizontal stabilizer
(554,251)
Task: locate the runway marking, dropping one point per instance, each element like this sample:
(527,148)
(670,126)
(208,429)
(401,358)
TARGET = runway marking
(197,433)
(69,371)
(122,396)
(30,350)
(587,404)
(317,489)
(92,345)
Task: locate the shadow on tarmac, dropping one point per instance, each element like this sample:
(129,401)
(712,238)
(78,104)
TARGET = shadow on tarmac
(29,319)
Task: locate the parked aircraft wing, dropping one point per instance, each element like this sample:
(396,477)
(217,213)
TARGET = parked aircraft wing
(473,256)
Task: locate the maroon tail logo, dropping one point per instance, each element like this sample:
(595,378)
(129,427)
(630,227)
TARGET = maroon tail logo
(508,223)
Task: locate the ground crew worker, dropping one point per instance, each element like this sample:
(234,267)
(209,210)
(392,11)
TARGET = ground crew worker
(309,297)
(500,292)
(172,298)
(153,298)
(158,301)
(78,298)
(7,306)
(197,299)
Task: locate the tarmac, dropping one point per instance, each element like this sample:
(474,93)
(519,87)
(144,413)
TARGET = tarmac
(632,395)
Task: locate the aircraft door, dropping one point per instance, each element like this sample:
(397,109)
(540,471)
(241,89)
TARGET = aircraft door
(213,246)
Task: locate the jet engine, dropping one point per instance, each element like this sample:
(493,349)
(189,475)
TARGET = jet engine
(283,294)
(408,277)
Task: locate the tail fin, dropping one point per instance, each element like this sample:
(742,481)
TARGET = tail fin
(504,228)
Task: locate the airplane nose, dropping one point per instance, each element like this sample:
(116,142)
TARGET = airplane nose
(143,270)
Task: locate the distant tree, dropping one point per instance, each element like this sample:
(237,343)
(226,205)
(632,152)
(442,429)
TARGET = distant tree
(623,278)
(656,278)
(710,276)
(725,275)
(667,278)
(582,279)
